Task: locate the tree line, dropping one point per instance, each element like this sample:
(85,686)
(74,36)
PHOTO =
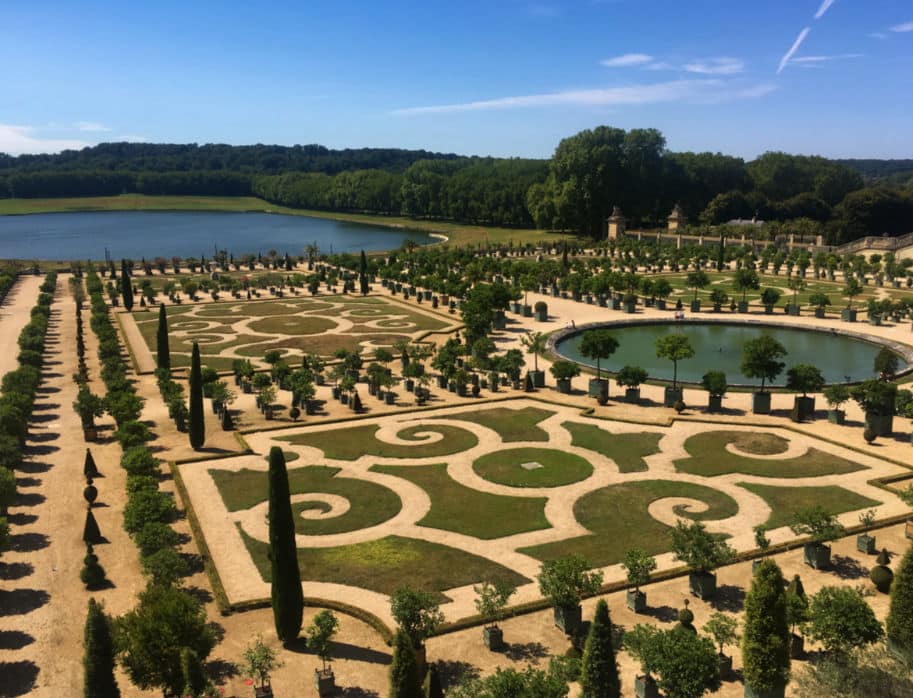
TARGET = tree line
(576,190)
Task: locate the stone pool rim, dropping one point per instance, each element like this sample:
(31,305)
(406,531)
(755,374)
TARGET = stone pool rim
(905,351)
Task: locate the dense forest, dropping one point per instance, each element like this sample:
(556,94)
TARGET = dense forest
(575,190)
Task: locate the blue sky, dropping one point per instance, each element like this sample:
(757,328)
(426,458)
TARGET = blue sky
(495,77)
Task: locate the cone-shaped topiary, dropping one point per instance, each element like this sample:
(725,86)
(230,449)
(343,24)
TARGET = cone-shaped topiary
(98,660)
(356,402)
(599,670)
(126,285)
(404,679)
(162,350)
(90,531)
(197,428)
(766,638)
(194,675)
(287,597)
(432,687)
(881,575)
(89,469)
(900,615)
(92,573)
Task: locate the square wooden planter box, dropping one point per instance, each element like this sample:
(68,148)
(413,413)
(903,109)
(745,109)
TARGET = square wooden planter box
(636,601)
(865,544)
(568,618)
(817,555)
(645,687)
(702,584)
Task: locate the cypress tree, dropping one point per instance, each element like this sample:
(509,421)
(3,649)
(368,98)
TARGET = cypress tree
(900,614)
(90,531)
(126,286)
(766,640)
(432,687)
(163,352)
(287,597)
(404,679)
(192,669)
(197,428)
(599,670)
(363,274)
(89,469)
(98,660)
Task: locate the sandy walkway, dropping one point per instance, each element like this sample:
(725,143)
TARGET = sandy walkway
(14,315)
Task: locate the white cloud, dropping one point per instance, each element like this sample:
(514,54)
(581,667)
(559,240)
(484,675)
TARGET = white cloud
(903,28)
(825,59)
(716,66)
(626,60)
(792,50)
(878,35)
(711,90)
(825,6)
(17,140)
(91,126)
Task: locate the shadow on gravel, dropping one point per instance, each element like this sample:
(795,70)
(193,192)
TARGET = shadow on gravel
(847,567)
(21,601)
(29,542)
(11,571)
(14,639)
(18,678)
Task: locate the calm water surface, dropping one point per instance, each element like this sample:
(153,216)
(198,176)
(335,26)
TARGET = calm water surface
(719,347)
(150,234)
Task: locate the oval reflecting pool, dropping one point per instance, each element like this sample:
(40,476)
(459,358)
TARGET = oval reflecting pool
(718,346)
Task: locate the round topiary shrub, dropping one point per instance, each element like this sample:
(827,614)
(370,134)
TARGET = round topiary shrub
(679,406)
(869,435)
(882,577)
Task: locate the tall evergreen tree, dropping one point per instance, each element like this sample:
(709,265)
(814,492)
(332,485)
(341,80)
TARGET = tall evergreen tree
(194,674)
(900,615)
(98,660)
(599,670)
(162,350)
(766,637)
(126,285)
(432,687)
(197,427)
(404,679)
(287,597)
(363,274)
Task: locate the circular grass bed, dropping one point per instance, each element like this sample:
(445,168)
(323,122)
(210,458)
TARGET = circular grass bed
(532,467)
(759,443)
(292,325)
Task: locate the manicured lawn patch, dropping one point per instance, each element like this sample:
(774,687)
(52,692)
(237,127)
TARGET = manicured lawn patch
(292,324)
(710,458)
(618,518)
(759,443)
(557,467)
(354,442)
(510,424)
(786,501)
(371,503)
(627,450)
(388,564)
(461,509)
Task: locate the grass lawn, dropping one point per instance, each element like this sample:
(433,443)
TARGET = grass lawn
(388,564)
(510,424)
(461,509)
(618,519)
(371,503)
(710,458)
(784,502)
(458,233)
(354,442)
(627,450)
(505,467)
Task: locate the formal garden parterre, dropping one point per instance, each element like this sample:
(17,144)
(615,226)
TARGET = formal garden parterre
(490,492)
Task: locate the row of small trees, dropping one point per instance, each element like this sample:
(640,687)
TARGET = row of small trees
(19,388)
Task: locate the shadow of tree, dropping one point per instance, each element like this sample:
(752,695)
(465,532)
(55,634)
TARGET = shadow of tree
(220,670)
(847,567)
(21,519)
(11,571)
(29,499)
(28,481)
(355,692)
(526,652)
(20,601)
(729,597)
(29,542)
(664,614)
(344,650)
(44,450)
(14,639)
(18,678)
(452,673)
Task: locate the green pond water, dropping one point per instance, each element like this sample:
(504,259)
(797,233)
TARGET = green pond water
(718,347)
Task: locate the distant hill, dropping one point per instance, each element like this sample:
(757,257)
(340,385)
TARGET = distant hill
(875,170)
(216,157)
